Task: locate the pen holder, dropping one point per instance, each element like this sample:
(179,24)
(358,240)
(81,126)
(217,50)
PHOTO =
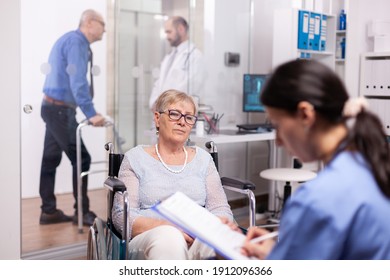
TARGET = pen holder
(212,127)
(212,123)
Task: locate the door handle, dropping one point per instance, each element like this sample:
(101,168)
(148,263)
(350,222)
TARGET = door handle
(27,109)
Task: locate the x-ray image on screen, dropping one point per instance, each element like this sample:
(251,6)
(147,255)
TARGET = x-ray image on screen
(253,85)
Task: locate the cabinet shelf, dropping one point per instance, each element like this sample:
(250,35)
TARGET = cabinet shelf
(315,52)
(376,54)
(371,96)
(341,32)
(375,84)
(286,41)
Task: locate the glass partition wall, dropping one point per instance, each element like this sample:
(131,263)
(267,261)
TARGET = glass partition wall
(140,46)
(217,28)
(232,41)
(135,44)
(129,57)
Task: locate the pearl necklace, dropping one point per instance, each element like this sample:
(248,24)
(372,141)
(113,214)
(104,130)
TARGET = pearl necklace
(166,166)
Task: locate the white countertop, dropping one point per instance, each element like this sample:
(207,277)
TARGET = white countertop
(224,138)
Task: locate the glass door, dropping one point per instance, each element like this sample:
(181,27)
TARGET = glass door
(140,48)
(53,19)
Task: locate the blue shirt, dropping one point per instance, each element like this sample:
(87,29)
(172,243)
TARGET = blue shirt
(67,79)
(341,214)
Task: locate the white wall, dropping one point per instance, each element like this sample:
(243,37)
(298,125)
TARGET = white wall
(260,61)
(10,138)
(42,23)
(230,27)
(359,14)
(226,29)
(262,35)
(244,27)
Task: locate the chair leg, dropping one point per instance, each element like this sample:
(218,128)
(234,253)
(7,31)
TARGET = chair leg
(287,192)
(92,253)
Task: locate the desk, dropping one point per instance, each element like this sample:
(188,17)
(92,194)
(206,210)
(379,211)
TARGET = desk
(221,138)
(230,138)
(240,138)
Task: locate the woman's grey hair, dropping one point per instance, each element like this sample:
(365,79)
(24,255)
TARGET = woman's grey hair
(173,96)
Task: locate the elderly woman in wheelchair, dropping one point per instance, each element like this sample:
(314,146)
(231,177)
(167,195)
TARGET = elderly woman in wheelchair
(152,173)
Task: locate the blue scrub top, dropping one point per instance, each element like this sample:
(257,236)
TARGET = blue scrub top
(341,214)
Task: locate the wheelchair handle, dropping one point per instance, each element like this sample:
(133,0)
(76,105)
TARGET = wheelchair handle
(213,152)
(109,147)
(211,146)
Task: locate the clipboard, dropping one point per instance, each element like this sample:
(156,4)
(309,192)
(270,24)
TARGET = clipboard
(199,223)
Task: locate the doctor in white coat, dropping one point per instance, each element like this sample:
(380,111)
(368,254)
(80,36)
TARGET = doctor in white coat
(183,68)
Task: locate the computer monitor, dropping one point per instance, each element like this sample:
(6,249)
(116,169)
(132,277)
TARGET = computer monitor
(253,85)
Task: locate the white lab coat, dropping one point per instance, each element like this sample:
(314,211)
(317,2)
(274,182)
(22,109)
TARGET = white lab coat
(186,73)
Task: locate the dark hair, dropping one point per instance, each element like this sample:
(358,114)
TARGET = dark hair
(312,81)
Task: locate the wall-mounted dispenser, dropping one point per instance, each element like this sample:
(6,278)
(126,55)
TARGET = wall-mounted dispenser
(232,59)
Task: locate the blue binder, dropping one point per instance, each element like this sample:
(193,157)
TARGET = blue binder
(315,20)
(323,33)
(303,30)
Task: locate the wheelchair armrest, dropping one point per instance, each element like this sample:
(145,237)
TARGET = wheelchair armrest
(243,187)
(114,184)
(238,183)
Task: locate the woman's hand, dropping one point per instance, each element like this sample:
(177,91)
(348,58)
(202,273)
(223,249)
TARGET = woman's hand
(231,224)
(259,250)
(188,239)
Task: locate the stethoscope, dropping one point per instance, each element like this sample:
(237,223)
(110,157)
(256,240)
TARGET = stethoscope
(186,64)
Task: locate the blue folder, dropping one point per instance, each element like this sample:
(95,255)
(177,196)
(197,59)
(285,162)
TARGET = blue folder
(315,31)
(303,30)
(323,33)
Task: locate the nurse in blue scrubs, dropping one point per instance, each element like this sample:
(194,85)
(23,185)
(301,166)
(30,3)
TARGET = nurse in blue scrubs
(344,212)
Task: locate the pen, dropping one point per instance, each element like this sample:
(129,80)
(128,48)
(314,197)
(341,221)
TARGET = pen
(264,237)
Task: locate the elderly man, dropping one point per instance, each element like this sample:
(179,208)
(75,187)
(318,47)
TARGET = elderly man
(66,87)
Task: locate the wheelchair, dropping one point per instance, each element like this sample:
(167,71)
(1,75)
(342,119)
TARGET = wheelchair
(106,243)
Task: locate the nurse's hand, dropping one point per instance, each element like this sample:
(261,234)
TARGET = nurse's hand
(259,250)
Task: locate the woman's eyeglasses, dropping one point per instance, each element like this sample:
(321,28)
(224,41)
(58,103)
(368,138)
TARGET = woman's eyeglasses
(175,115)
